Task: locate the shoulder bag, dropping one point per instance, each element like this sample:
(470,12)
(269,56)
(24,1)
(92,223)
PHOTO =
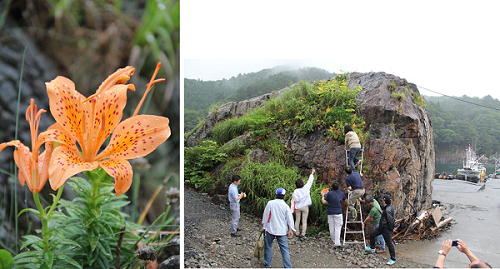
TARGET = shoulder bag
(260,245)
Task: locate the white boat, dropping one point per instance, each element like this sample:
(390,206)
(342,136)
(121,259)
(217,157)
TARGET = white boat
(472,169)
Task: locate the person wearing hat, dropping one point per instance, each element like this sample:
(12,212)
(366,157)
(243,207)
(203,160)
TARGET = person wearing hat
(375,214)
(385,228)
(234,204)
(277,222)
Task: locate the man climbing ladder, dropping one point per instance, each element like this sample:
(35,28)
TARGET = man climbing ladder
(352,147)
(355,188)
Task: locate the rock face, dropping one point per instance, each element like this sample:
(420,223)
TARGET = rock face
(227,111)
(37,70)
(399,150)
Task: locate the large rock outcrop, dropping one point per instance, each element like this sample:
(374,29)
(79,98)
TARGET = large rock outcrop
(399,149)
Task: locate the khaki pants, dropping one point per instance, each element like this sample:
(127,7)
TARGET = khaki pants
(355,194)
(301,213)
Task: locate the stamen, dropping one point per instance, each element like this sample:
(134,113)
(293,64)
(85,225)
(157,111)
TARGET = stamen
(84,124)
(150,85)
(91,139)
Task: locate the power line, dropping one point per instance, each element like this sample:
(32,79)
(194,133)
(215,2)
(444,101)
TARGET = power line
(461,100)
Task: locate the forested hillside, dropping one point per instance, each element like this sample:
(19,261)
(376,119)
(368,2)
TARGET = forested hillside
(200,96)
(458,122)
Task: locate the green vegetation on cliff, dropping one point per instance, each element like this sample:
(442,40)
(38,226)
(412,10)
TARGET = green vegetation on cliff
(305,108)
(200,96)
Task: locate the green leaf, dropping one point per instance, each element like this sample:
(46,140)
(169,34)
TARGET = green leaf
(68,260)
(27,263)
(30,210)
(6,259)
(115,204)
(31,239)
(104,249)
(92,257)
(49,258)
(28,256)
(102,262)
(69,242)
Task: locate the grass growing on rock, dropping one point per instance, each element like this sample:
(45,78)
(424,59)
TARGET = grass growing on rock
(305,108)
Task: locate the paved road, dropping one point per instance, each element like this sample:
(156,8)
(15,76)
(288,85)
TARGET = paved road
(476,210)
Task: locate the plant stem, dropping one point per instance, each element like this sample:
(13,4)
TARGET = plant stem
(135,194)
(56,200)
(44,218)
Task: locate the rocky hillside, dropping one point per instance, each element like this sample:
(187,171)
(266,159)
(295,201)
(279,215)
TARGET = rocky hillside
(398,154)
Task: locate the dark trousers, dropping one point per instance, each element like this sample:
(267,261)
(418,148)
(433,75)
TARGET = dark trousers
(352,159)
(387,234)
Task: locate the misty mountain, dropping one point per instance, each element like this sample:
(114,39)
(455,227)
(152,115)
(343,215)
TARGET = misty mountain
(460,121)
(200,96)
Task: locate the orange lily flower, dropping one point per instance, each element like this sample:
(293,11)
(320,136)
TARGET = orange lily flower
(90,121)
(33,168)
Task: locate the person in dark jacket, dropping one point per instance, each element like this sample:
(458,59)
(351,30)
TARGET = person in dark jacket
(385,228)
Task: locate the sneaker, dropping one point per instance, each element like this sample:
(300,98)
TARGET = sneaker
(238,229)
(303,237)
(236,234)
(372,250)
(380,251)
(391,262)
(359,163)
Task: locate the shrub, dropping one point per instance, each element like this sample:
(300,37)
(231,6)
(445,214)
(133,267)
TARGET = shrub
(419,101)
(391,86)
(398,96)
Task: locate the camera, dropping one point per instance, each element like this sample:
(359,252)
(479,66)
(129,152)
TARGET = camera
(454,243)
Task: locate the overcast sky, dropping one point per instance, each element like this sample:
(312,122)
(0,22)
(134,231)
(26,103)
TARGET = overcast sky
(451,47)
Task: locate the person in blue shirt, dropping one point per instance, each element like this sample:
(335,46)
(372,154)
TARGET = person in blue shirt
(334,198)
(355,187)
(234,204)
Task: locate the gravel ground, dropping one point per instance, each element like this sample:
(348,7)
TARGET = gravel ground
(207,243)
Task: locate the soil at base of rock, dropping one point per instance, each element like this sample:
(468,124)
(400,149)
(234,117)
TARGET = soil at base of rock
(208,243)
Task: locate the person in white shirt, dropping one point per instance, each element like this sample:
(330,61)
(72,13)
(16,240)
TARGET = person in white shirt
(277,222)
(302,198)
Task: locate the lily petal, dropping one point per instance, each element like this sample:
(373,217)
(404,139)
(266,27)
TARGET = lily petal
(22,158)
(108,108)
(121,171)
(136,137)
(67,161)
(56,133)
(120,76)
(43,166)
(66,107)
